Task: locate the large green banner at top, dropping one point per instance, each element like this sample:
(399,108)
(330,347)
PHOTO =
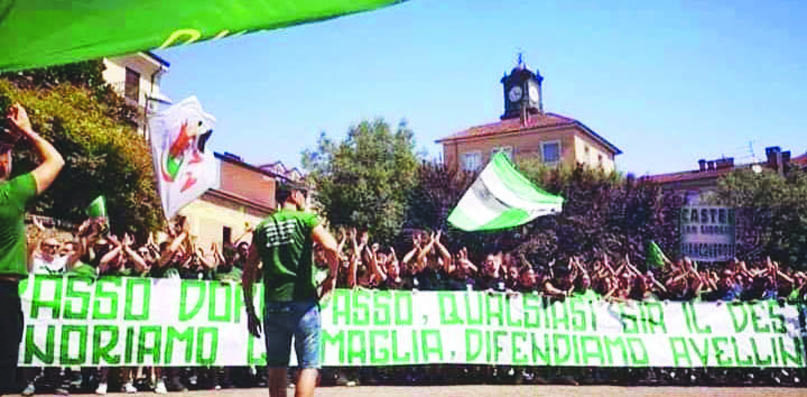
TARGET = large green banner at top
(38,33)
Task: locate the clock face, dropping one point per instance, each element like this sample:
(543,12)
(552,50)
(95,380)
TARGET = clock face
(533,93)
(515,94)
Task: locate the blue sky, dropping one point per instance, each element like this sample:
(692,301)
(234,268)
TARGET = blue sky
(667,82)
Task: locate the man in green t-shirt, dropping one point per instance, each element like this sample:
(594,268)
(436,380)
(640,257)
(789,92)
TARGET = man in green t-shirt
(15,193)
(284,243)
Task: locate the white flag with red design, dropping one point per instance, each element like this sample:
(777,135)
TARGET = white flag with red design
(184,169)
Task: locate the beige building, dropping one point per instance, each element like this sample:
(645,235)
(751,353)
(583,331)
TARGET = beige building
(227,213)
(526,131)
(137,77)
(244,195)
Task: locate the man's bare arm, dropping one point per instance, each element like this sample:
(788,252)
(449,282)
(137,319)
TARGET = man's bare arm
(325,240)
(52,161)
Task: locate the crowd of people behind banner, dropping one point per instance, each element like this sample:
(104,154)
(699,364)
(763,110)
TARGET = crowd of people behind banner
(426,265)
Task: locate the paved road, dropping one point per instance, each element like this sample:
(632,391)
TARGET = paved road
(508,391)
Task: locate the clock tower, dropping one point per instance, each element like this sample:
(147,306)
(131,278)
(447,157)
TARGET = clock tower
(522,92)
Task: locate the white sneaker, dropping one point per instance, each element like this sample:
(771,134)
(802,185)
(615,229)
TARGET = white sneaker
(128,387)
(101,390)
(31,389)
(160,389)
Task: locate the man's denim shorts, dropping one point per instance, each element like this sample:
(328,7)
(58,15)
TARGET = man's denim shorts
(300,319)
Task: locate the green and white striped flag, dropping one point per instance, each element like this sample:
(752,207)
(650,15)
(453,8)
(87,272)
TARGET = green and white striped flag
(502,198)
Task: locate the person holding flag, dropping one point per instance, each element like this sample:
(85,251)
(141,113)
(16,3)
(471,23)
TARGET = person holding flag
(284,242)
(15,193)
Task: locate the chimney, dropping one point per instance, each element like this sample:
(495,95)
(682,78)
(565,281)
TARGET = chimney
(772,154)
(725,162)
(710,165)
(774,158)
(702,165)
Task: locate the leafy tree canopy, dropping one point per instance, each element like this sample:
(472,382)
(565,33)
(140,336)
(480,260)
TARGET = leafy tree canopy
(364,180)
(771,213)
(95,132)
(604,212)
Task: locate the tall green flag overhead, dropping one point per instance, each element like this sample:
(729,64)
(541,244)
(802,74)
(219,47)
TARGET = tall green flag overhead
(38,33)
(502,198)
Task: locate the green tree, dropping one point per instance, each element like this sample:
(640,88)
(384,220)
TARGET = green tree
(86,74)
(771,212)
(364,180)
(95,132)
(604,212)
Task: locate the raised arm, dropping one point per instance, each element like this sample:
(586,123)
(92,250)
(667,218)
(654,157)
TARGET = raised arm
(52,161)
(342,239)
(203,259)
(551,290)
(467,262)
(353,269)
(33,243)
(581,268)
(176,243)
(326,241)
(631,267)
(655,282)
(425,251)
(447,259)
(374,268)
(413,252)
(110,256)
(138,261)
(217,257)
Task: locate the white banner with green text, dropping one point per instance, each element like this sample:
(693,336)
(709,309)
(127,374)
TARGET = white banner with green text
(114,321)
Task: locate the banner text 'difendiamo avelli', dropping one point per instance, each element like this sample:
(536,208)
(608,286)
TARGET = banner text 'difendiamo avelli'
(115,321)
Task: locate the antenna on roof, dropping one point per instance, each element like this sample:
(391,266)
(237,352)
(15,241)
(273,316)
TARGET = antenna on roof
(751,151)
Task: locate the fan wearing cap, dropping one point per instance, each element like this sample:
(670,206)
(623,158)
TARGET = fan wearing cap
(284,243)
(15,193)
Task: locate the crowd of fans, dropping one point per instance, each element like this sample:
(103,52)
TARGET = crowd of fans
(429,265)
(94,252)
(426,265)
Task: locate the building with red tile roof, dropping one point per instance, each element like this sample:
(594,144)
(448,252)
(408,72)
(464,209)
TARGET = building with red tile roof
(526,131)
(706,176)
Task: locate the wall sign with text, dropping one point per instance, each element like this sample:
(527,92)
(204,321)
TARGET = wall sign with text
(708,233)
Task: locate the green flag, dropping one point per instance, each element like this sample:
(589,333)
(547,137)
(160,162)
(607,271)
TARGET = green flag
(655,257)
(38,33)
(502,198)
(97,209)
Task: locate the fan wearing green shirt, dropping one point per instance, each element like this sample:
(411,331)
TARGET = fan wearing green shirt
(15,193)
(284,243)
